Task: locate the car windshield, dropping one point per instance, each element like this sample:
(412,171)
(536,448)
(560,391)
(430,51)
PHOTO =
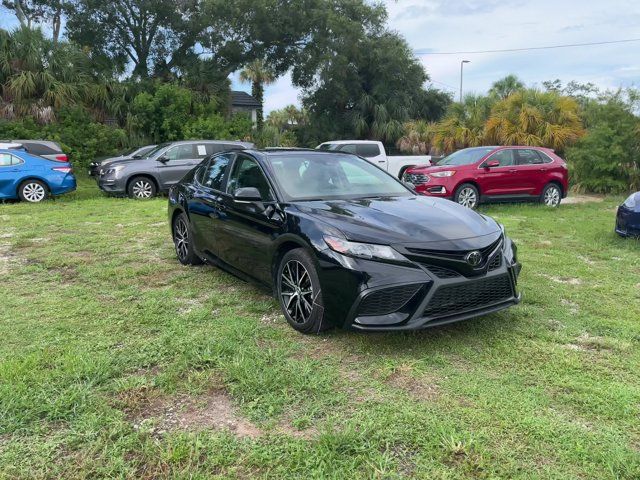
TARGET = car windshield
(466,156)
(324,176)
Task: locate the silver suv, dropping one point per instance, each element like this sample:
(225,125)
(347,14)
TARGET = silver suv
(163,166)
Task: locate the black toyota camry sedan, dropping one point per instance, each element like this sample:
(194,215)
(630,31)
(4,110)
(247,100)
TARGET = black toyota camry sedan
(341,242)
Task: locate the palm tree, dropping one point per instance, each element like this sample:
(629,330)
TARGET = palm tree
(259,75)
(418,137)
(38,77)
(532,117)
(464,124)
(506,86)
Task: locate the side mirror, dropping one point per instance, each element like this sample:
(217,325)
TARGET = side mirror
(162,159)
(247,194)
(492,164)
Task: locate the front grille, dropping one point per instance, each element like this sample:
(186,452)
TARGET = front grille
(441,272)
(388,300)
(416,178)
(453,299)
(456,254)
(495,263)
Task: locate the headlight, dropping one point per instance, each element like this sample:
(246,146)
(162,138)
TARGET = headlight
(362,250)
(111,171)
(445,173)
(631,201)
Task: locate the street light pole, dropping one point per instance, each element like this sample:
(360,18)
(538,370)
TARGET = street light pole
(461,65)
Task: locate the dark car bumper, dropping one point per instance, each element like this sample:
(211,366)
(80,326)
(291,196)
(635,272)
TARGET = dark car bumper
(375,296)
(627,222)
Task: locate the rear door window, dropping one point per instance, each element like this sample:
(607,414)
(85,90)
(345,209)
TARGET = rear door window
(367,150)
(349,148)
(528,157)
(214,174)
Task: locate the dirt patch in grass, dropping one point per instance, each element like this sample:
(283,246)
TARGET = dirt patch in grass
(563,280)
(421,388)
(580,199)
(159,414)
(590,343)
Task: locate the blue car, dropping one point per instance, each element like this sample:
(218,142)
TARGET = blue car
(628,217)
(31,178)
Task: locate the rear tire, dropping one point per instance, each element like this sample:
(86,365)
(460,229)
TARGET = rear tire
(551,195)
(183,241)
(142,188)
(33,191)
(299,293)
(467,195)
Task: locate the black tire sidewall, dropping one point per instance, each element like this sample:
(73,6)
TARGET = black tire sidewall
(191,258)
(463,186)
(27,182)
(154,190)
(316,322)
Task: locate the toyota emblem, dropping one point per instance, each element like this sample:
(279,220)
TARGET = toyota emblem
(474,258)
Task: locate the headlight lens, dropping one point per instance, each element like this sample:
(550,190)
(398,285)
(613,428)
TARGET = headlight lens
(445,173)
(362,250)
(631,201)
(112,170)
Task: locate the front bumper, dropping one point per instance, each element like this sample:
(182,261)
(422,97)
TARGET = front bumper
(376,296)
(111,184)
(429,185)
(627,222)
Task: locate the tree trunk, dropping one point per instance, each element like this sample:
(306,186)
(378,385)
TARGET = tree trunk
(257,91)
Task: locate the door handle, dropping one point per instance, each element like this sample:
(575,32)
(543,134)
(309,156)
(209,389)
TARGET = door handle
(543,169)
(513,170)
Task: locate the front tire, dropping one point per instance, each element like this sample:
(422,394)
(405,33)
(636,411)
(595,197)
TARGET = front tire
(467,195)
(33,191)
(551,195)
(299,293)
(142,188)
(182,240)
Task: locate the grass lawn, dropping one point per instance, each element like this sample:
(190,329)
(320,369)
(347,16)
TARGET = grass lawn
(116,361)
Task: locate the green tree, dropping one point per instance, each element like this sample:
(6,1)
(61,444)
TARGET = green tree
(38,78)
(506,86)
(366,90)
(259,75)
(464,125)
(607,158)
(532,117)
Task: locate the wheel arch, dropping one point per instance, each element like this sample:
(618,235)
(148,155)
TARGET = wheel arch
(24,180)
(404,169)
(558,184)
(470,182)
(286,245)
(145,175)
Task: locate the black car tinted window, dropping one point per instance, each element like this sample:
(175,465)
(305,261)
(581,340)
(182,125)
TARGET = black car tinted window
(215,170)
(368,150)
(527,157)
(247,173)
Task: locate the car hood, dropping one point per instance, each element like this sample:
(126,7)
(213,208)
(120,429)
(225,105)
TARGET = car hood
(434,168)
(123,161)
(404,220)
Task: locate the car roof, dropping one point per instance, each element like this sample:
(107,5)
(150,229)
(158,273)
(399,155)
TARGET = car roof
(343,142)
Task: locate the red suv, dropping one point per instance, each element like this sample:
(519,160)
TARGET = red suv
(484,174)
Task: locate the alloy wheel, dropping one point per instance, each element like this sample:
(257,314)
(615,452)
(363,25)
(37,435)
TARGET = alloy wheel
(142,189)
(296,291)
(34,192)
(552,197)
(181,238)
(468,198)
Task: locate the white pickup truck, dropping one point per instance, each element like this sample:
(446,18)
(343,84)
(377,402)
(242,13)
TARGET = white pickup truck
(375,153)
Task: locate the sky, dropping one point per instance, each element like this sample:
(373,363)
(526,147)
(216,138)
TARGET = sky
(471,25)
(431,26)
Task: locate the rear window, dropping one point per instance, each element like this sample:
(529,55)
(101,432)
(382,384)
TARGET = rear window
(367,150)
(36,148)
